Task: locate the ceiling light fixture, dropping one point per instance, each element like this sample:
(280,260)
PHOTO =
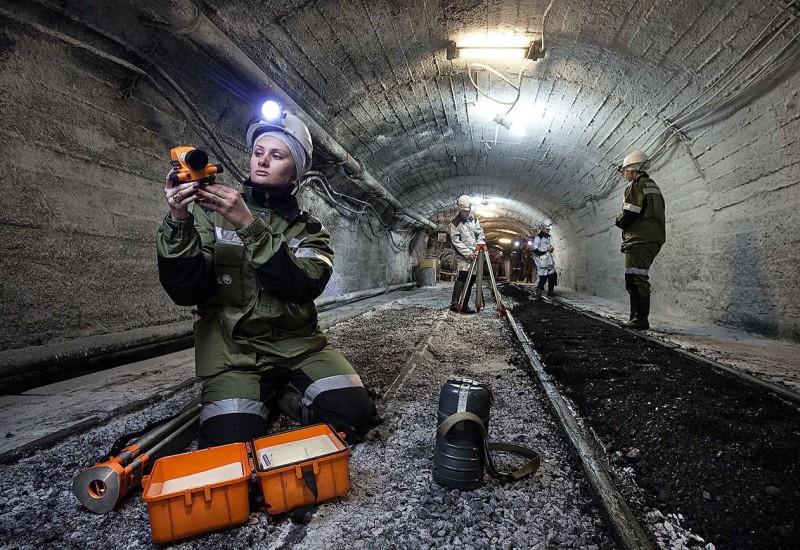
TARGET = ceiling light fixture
(532,51)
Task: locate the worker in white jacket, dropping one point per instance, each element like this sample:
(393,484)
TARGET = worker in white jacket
(465,234)
(543,258)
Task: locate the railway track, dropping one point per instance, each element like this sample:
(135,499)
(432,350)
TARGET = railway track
(620,465)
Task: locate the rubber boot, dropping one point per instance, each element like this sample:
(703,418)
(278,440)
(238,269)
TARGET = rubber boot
(290,403)
(457,288)
(539,293)
(465,306)
(634,312)
(639,322)
(550,291)
(643,309)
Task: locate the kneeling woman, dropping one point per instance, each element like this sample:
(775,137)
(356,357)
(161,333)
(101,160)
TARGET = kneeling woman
(253,263)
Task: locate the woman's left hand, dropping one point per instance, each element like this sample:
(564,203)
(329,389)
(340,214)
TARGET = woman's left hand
(228,202)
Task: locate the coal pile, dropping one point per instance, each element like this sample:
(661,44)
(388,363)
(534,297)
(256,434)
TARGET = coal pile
(697,446)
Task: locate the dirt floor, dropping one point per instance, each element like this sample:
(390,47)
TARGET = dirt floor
(688,439)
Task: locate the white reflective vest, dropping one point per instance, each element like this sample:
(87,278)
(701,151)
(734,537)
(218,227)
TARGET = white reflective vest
(465,235)
(542,257)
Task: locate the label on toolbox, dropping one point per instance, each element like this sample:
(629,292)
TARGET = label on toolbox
(296,451)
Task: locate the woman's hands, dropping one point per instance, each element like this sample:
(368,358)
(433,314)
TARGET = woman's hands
(213,196)
(226,201)
(179,197)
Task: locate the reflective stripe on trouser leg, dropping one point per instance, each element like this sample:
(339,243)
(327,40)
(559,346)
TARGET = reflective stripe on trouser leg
(333,393)
(638,260)
(232,409)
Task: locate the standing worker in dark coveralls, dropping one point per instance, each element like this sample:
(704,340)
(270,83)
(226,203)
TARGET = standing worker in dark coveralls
(643,232)
(252,263)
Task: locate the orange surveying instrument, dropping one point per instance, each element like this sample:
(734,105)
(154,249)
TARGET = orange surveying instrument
(101,487)
(192,165)
(476,268)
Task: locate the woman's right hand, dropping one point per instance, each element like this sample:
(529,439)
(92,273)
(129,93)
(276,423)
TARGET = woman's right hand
(179,197)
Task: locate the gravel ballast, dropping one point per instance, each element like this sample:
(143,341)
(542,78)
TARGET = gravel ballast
(393,502)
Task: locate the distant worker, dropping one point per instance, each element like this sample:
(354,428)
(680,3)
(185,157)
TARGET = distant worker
(527,262)
(643,232)
(543,258)
(252,263)
(516,263)
(465,234)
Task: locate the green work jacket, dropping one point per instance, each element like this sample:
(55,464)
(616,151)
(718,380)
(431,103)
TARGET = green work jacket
(642,219)
(253,287)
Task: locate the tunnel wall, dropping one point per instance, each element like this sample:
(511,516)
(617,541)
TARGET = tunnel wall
(732,233)
(81,185)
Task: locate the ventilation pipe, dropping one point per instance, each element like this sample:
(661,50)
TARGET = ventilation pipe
(186,19)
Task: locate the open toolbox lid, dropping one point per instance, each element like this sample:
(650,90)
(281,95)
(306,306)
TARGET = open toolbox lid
(213,467)
(301,467)
(298,446)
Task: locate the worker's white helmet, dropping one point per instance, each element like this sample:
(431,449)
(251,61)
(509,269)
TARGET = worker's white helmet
(546,225)
(637,160)
(464,203)
(287,123)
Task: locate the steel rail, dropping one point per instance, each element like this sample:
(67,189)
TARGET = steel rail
(624,524)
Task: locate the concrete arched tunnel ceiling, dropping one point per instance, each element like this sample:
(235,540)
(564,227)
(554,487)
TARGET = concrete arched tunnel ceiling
(709,89)
(377,77)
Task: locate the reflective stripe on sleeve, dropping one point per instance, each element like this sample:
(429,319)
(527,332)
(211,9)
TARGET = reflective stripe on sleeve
(632,207)
(232,406)
(636,271)
(295,243)
(651,191)
(311,253)
(228,236)
(337,382)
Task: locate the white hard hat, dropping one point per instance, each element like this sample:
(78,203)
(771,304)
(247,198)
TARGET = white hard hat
(464,203)
(637,160)
(546,225)
(288,124)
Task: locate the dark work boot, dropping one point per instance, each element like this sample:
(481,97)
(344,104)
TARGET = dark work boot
(465,306)
(639,322)
(538,293)
(290,403)
(457,288)
(634,312)
(643,312)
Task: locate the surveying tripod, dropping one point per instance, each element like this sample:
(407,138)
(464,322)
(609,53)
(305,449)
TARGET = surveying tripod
(481,256)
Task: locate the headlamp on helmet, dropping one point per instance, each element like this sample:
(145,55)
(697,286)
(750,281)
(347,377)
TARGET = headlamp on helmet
(276,119)
(271,110)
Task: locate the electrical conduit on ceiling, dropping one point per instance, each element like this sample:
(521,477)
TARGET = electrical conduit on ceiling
(186,19)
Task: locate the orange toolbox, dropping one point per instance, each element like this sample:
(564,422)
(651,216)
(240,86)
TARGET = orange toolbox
(201,491)
(197,492)
(301,467)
